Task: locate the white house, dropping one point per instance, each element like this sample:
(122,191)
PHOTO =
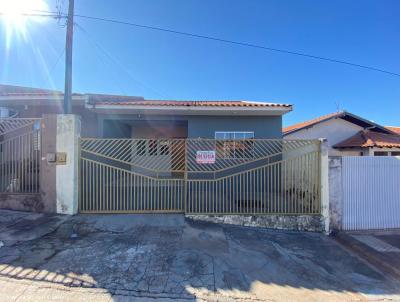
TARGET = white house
(348,134)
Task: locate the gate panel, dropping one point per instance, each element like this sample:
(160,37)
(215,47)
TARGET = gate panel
(131,175)
(19,155)
(371,192)
(288,187)
(257,176)
(107,189)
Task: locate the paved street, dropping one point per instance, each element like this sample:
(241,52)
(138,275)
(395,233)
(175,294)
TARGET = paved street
(381,248)
(163,257)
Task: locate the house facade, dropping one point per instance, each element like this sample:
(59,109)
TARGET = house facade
(110,116)
(348,135)
(134,155)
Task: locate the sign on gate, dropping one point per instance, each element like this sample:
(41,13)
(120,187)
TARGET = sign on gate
(205,157)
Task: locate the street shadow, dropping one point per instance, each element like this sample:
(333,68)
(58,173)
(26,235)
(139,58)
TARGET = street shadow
(150,255)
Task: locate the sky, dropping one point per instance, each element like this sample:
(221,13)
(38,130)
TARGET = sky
(118,59)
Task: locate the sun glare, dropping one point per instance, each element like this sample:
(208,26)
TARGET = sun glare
(16,19)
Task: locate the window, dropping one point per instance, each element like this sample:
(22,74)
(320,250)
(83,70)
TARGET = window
(234,144)
(395,153)
(152,147)
(381,153)
(234,135)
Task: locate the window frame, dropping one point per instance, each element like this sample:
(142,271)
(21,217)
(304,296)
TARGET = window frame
(229,148)
(153,147)
(233,132)
(381,153)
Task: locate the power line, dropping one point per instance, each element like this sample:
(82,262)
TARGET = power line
(100,54)
(193,35)
(237,43)
(49,14)
(113,59)
(57,61)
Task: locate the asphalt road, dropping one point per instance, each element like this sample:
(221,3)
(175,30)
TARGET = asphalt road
(164,257)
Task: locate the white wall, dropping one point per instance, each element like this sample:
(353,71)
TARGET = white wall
(335,131)
(67,141)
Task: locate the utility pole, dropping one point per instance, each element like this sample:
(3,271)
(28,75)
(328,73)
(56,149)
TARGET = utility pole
(68,59)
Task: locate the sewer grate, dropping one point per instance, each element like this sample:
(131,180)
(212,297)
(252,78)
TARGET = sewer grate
(376,244)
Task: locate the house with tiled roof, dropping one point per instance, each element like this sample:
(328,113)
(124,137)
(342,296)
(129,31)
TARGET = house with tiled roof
(119,116)
(394,129)
(349,134)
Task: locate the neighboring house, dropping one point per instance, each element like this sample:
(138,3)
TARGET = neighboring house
(368,142)
(348,134)
(135,117)
(394,129)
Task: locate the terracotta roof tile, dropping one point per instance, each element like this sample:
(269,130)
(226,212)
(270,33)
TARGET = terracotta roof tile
(368,138)
(190,103)
(393,129)
(309,123)
(122,100)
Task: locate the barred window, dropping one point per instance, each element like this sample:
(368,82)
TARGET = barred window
(152,147)
(234,144)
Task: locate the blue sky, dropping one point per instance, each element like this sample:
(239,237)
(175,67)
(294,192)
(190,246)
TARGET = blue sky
(118,59)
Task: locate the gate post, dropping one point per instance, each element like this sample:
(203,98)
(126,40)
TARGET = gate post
(185,178)
(59,165)
(324,184)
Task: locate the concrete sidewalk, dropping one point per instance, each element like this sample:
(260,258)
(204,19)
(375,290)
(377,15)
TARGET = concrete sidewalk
(165,257)
(380,248)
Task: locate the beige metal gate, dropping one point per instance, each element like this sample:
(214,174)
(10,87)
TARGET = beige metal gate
(19,155)
(257,176)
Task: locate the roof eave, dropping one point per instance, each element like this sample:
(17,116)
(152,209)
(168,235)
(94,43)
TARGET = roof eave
(48,99)
(342,115)
(190,110)
(371,123)
(339,115)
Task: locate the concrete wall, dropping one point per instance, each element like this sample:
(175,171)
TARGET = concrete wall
(335,193)
(116,129)
(48,176)
(263,127)
(22,202)
(335,131)
(59,182)
(310,223)
(67,141)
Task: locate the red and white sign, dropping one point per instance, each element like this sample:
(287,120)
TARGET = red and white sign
(205,157)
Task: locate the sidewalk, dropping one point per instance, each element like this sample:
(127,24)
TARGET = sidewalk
(380,248)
